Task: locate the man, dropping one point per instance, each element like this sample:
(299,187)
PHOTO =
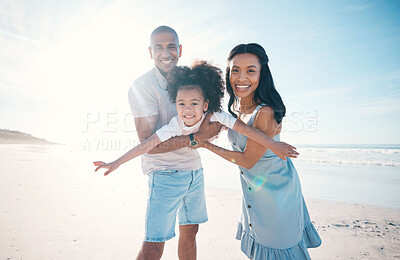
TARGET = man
(170,191)
(152,109)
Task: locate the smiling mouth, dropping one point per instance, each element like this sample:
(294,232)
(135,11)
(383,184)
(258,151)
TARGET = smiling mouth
(242,86)
(166,62)
(188,117)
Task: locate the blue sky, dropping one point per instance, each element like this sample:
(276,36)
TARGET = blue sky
(335,63)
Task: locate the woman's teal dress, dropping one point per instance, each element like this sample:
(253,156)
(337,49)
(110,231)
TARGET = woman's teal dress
(275,223)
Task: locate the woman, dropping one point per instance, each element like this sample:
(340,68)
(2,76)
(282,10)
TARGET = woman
(275,223)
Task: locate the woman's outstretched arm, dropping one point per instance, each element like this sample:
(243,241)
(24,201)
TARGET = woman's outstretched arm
(238,158)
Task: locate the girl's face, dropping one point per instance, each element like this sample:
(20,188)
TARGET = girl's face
(244,74)
(190,105)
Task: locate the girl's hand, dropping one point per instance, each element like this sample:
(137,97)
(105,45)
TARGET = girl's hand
(112,166)
(284,150)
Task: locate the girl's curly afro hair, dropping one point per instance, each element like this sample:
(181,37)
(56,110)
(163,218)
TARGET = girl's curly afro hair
(202,75)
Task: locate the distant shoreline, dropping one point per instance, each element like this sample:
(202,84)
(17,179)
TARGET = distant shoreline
(350,146)
(15,137)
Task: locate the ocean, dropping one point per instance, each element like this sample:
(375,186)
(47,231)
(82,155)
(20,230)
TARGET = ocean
(349,154)
(366,174)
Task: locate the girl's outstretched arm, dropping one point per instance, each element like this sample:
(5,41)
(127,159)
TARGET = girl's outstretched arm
(140,149)
(263,135)
(281,149)
(264,123)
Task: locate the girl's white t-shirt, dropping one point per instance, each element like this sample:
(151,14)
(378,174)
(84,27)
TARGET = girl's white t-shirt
(176,127)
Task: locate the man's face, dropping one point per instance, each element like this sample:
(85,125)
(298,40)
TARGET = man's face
(165,51)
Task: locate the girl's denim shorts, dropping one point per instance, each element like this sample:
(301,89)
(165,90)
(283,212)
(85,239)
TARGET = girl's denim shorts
(173,192)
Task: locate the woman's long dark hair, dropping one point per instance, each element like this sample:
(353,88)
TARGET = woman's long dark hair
(265,92)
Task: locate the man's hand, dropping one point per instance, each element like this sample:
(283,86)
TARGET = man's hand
(283,150)
(207,130)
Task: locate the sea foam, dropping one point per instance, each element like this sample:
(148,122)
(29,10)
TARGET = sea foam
(377,155)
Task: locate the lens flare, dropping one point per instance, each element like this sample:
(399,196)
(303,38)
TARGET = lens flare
(259,181)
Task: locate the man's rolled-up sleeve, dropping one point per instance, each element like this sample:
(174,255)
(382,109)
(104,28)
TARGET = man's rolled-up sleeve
(143,103)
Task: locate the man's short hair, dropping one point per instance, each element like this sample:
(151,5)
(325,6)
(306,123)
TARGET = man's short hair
(161,29)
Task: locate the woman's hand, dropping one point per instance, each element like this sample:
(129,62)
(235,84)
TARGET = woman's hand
(112,166)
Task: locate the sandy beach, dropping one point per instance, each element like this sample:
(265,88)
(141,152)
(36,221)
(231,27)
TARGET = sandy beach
(53,206)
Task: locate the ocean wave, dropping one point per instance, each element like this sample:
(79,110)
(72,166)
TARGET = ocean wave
(376,156)
(352,150)
(351,162)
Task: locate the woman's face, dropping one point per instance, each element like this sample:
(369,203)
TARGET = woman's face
(244,74)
